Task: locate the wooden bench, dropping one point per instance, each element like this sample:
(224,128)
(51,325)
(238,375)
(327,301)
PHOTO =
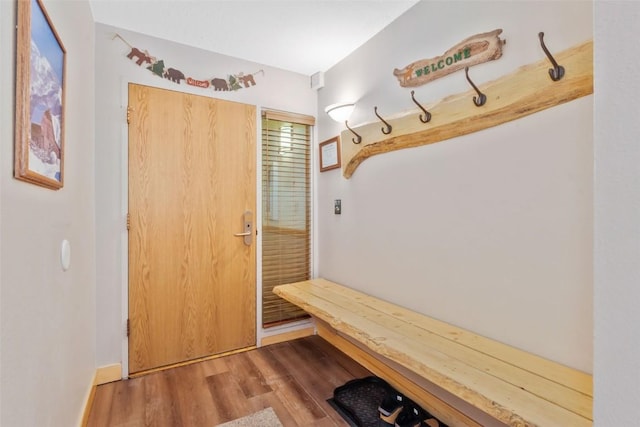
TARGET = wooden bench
(512,386)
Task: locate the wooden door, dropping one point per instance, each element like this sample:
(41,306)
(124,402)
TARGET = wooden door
(191,178)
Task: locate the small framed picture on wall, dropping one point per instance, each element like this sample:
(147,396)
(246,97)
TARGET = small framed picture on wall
(330,154)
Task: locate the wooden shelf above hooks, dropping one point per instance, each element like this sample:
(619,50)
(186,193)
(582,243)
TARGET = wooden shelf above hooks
(525,91)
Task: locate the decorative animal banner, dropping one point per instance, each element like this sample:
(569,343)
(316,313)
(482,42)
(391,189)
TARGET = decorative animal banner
(471,51)
(158,67)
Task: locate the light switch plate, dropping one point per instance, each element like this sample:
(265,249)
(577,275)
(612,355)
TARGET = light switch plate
(337,206)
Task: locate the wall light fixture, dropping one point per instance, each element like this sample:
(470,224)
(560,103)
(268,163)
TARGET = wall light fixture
(340,112)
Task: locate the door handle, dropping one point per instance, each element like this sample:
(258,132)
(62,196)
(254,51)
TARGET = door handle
(247,234)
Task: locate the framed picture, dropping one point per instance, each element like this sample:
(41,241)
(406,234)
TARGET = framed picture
(40,80)
(330,154)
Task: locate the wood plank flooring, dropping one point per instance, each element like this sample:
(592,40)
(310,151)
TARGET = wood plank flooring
(295,378)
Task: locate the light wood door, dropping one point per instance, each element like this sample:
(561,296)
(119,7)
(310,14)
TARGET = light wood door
(191,178)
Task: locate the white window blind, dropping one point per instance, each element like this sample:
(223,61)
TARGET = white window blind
(286,210)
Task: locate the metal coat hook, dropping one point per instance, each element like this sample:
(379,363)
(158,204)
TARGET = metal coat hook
(386,131)
(557,72)
(481,98)
(358,138)
(427,115)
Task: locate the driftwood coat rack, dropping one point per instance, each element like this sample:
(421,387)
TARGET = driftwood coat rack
(527,90)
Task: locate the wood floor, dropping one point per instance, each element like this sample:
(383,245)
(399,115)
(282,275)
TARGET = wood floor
(294,378)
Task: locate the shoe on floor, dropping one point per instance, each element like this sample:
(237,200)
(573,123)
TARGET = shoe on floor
(391,406)
(412,416)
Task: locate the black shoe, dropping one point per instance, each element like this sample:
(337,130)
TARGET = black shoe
(391,406)
(412,416)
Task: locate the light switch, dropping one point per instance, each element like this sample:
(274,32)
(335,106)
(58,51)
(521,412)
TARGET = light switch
(65,255)
(337,206)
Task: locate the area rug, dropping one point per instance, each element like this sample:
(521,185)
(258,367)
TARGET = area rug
(264,418)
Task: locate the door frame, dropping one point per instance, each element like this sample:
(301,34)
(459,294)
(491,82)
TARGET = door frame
(124,237)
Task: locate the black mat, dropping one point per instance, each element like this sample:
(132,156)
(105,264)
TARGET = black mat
(357,401)
(343,414)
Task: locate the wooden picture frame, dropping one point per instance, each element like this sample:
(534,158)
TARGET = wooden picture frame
(330,154)
(40,98)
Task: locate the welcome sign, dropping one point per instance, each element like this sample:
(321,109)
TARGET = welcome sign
(471,51)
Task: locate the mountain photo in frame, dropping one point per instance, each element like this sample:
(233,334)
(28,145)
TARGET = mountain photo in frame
(40,79)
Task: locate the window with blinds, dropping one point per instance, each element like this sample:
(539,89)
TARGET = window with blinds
(286,210)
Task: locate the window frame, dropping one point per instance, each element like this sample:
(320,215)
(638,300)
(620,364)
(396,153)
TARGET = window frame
(288,313)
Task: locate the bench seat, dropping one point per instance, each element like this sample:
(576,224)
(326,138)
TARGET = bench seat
(511,385)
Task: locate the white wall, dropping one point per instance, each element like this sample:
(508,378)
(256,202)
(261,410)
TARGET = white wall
(617,214)
(48,316)
(491,231)
(275,89)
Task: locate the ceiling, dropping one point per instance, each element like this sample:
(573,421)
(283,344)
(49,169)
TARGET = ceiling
(303,36)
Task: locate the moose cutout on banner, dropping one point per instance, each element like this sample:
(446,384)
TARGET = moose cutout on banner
(233,82)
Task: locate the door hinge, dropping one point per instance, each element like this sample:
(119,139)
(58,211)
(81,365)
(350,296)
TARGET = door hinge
(128,221)
(129,110)
(128,328)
